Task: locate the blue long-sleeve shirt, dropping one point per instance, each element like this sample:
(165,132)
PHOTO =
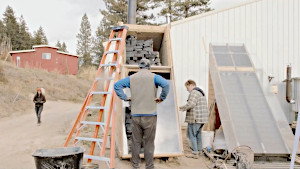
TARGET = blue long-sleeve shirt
(125,83)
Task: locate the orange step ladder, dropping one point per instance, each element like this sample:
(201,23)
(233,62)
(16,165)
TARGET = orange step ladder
(117,35)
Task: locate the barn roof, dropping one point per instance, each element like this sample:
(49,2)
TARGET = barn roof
(43,46)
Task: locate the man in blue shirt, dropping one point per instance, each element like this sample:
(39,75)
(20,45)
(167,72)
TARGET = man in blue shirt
(143,87)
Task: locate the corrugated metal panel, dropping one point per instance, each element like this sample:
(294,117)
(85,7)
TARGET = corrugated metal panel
(269,28)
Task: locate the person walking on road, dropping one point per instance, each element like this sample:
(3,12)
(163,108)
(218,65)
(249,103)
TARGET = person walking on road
(143,86)
(196,116)
(39,100)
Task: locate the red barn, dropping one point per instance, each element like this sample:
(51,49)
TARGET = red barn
(46,57)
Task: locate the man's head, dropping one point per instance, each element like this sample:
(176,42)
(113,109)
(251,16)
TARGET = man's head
(144,64)
(190,85)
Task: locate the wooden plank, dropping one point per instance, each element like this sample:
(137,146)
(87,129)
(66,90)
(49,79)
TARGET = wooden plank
(164,50)
(245,69)
(146,28)
(226,68)
(128,156)
(169,47)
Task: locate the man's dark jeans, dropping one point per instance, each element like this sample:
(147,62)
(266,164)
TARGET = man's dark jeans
(143,130)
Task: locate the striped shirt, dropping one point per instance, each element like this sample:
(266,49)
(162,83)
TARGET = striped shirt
(196,108)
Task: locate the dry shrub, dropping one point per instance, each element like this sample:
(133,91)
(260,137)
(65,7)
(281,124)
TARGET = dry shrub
(5,48)
(87,72)
(17,93)
(2,76)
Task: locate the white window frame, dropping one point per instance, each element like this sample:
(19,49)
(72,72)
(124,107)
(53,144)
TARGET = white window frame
(18,61)
(46,56)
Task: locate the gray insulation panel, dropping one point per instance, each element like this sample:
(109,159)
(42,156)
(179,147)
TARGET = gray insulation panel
(246,110)
(168,134)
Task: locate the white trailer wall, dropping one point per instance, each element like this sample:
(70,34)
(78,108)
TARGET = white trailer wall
(269,29)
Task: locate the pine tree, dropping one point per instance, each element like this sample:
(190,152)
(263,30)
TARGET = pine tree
(24,35)
(39,37)
(64,47)
(84,42)
(11,27)
(116,11)
(2,28)
(98,48)
(183,9)
(58,44)
(61,46)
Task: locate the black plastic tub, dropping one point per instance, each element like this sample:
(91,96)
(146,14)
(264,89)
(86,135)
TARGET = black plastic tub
(59,158)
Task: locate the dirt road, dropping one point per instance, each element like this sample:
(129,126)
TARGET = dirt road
(20,137)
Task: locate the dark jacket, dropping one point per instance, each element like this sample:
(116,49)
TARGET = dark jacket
(39,100)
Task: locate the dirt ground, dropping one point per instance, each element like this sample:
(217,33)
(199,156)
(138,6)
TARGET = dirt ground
(20,137)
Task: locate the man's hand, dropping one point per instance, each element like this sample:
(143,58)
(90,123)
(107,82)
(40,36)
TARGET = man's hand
(128,99)
(158,100)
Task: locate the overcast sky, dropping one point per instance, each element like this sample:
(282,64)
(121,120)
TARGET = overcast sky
(61,18)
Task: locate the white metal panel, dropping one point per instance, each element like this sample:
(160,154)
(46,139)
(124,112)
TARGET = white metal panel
(281,64)
(269,29)
(296,36)
(225,26)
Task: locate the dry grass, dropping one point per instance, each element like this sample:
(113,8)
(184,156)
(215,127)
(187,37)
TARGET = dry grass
(87,72)
(19,86)
(2,76)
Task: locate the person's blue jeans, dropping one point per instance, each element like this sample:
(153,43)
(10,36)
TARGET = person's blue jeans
(194,134)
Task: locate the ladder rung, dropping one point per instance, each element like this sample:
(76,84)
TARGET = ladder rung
(111,51)
(110,64)
(117,28)
(92,123)
(94,107)
(96,158)
(89,139)
(115,39)
(100,93)
(109,78)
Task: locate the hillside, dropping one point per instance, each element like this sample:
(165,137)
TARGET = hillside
(18,86)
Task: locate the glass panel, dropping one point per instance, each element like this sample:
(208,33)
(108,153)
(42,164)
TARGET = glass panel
(237,49)
(224,60)
(220,49)
(241,60)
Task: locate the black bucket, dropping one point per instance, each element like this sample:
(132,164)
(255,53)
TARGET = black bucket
(59,158)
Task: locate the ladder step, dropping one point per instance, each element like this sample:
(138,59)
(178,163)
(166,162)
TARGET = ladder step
(92,123)
(110,64)
(100,93)
(96,158)
(117,28)
(94,107)
(115,39)
(108,78)
(111,51)
(89,139)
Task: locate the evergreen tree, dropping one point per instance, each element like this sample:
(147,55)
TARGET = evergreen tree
(11,27)
(84,42)
(116,11)
(61,46)
(24,35)
(183,9)
(58,44)
(64,47)
(2,28)
(39,37)
(98,48)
